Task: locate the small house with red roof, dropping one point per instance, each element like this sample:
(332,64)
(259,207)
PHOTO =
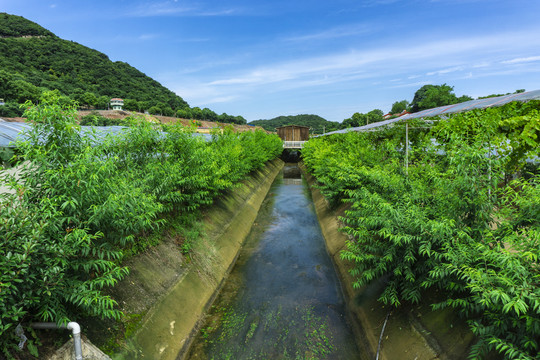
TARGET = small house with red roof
(117,103)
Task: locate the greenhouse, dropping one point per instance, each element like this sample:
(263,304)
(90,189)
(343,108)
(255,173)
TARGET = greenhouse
(11,131)
(449,109)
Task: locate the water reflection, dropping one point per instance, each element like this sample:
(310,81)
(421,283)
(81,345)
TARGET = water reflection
(282,300)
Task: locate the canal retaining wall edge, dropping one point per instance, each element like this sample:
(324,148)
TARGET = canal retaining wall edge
(172,295)
(412,332)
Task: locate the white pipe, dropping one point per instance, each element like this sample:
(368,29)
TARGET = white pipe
(75,330)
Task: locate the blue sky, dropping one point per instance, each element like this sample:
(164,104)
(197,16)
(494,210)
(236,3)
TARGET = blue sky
(262,59)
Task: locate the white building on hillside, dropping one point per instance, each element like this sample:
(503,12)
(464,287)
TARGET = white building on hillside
(117,103)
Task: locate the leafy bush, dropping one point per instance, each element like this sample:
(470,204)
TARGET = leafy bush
(56,258)
(81,202)
(10,110)
(96,119)
(450,219)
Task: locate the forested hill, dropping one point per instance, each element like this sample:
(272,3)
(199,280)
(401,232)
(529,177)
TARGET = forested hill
(33,59)
(315,122)
(17,26)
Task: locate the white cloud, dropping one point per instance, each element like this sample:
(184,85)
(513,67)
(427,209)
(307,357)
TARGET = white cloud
(445,71)
(349,70)
(132,38)
(413,84)
(222,12)
(337,32)
(197,93)
(482,64)
(522,60)
(166,8)
(172,8)
(341,66)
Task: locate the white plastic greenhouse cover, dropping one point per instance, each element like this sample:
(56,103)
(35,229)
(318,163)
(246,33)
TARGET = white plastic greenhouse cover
(10,131)
(449,109)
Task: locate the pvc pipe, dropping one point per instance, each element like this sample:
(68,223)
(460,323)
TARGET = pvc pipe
(75,330)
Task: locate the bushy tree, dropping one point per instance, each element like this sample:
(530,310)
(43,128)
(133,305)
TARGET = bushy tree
(315,122)
(399,106)
(183,113)
(155,110)
(359,119)
(131,105)
(432,96)
(54,96)
(209,115)
(89,99)
(11,109)
(103,102)
(374,116)
(20,91)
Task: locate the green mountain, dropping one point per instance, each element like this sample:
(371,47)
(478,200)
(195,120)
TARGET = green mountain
(315,122)
(33,59)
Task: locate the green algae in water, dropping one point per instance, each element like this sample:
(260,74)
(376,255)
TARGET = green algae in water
(273,335)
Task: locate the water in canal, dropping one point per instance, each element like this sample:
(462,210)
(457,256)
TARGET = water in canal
(282,299)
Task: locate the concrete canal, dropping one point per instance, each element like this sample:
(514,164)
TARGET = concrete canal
(283,299)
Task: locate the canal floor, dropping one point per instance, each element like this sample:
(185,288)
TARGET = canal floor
(283,299)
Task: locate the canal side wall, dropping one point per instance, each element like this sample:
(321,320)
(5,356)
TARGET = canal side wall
(412,332)
(171,293)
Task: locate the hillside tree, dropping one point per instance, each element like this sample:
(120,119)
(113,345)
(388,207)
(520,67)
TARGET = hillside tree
(432,96)
(399,106)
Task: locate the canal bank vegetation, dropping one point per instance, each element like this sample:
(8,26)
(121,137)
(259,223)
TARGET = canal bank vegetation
(456,211)
(81,203)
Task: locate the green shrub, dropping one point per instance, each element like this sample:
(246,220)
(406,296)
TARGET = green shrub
(96,119)
(81,202)
(449,219)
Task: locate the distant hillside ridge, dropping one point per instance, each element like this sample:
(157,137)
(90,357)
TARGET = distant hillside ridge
(17,26)
(317,124)
(33,59)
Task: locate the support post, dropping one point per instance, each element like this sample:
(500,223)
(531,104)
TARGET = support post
(407,148)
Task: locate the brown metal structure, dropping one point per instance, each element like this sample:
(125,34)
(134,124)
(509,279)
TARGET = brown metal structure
(293,133)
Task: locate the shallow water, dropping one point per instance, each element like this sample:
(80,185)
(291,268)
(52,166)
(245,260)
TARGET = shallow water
(282,299)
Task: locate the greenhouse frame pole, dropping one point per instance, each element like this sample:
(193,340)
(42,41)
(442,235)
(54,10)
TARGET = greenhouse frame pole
(407,148)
